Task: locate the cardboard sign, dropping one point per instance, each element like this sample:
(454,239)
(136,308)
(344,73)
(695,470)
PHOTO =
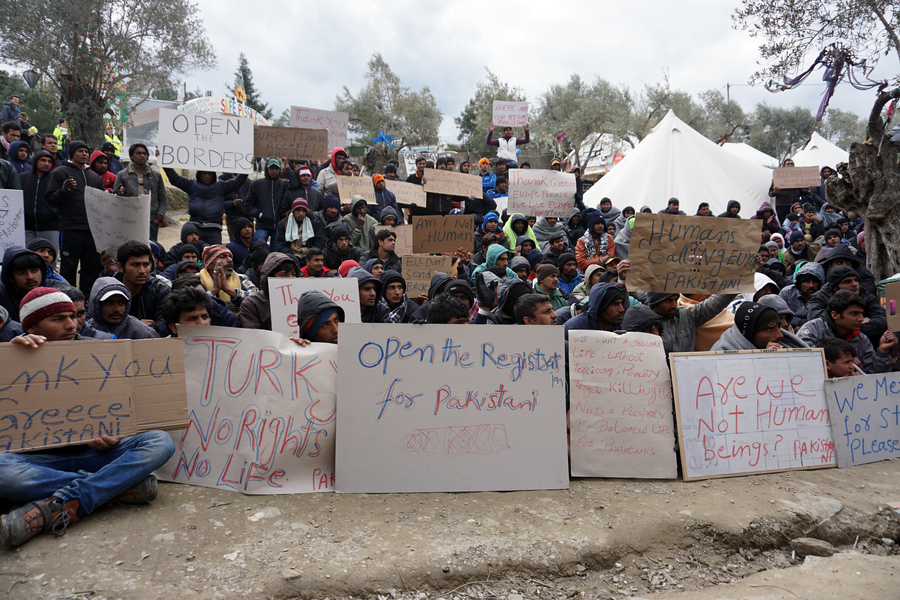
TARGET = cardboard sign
(442,234)
(404,233)
(334,121)
(407,194)
(509,114)
(68,393)
(889,304)
(751,411)
(262,412)
(205,141)
(865,412)
(12,220)
(116,219)
(786,178)
(452,183)
(418,269)
(541,193)
(356,186)
(620,411)
(440,408)
(284,293)
(693,255)
(293,142)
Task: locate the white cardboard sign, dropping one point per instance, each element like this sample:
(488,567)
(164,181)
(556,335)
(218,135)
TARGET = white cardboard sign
(335,122)
(865,412)
(285,292)
(262,413)
(205,141)
(509,114)
(751,411)
(620,411)
(541,193)
(12,220)
(428,408)
(116,219)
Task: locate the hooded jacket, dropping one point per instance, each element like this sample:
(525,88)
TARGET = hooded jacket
(583,289)
(511,235)
(173,256)
(866,278)
(295,190)
(20,167)
(378,313)
(728,215)
(239,251)
(255,312)
(333,257)
(360,237)
(149,305)
(130,328)
(267,201)
(327,178)
(153,185)
(601,296)
(8,327)
(206,203)
(404,311)
(490,260)
(385,199)
(817,305)
(581,256)
(311,305)
(792,296)
(10,295)
(438,282)
(611,215)
(733,339)
(70,206)
(543,231)
(39,243)
(680,331)
(574,231)
(40,215)
(771,224)
(509,289)
(107,178)
(873,361)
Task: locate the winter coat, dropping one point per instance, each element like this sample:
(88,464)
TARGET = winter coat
(379,312)
(294,190)
(873,361)
(70,207)
(679,332)
(791,294)
(20,167)
(597,298)
(130,328)
(267,201)
(40,215)
(771,224)
(297,247)
(727,214)
(733,339)
(327,177)
(9,177)
(206,203)
(10,295)
(385,199)
(149,305)
(9,328)
(173,256)
(153,185)
(255,312)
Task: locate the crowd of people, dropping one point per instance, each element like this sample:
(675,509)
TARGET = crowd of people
(812,288)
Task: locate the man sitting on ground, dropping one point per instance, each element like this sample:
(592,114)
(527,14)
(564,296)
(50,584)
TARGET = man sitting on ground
(110,307)
(187,306)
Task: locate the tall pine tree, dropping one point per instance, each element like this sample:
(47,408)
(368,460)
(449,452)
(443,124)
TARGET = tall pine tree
(244,77)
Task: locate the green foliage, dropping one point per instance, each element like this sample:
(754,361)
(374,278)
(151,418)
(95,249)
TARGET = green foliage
(244,77)
(37,102)
(282,120)
(475,119)
(385,103)
(780,131)
(88,51)
(842,128)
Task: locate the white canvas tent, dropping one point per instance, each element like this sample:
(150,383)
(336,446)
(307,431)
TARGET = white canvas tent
(751,154)
(819,152)
(676,161)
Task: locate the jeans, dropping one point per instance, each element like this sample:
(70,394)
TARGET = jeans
(154,230)
(262,235)
(92,477)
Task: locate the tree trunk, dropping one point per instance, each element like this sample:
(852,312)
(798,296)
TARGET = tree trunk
(869,186)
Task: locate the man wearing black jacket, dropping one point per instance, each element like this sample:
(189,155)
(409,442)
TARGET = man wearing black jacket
(300,186)
(267,203)
(41,220)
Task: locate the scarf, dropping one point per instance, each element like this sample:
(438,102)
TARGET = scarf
(590,246)
(234,282)
(141,173)
(396,315)
(293,233)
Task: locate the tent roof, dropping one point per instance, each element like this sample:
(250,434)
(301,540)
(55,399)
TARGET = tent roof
(751,154)
(819,152)
(677,161)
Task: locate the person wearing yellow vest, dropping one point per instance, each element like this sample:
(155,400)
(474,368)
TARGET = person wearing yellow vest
(61,133)
(112,138)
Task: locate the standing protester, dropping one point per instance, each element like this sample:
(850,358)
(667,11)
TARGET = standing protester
(139,179)
(41,218)
(506,145)
(266,202)
(206,200)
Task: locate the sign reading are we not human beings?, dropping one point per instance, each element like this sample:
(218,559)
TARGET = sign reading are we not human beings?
(205,141)
(440,408)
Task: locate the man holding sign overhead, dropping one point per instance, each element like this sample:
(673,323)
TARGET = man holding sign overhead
(506,145)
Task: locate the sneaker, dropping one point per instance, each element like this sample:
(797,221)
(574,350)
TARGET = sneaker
(143,493)
(27,521)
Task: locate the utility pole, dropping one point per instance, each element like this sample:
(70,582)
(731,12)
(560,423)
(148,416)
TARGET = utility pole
(728,92)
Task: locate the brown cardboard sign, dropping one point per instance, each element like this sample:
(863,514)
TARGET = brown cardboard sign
(442,234)
(356,186)
(68,393)
(404,233)
(406,193)
(293,142)
(452,183)
(418,269)
(787,178)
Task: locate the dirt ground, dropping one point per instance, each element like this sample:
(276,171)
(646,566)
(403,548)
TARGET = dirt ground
(599,539)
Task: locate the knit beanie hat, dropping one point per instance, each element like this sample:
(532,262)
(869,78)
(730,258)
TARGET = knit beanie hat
(654,298)
(346,266)
(331,201)
(795,235)
(376,178)
(300,203)
(564,258)
(519,261)
(211,253)
(40,303)
(545,270)
(751,318)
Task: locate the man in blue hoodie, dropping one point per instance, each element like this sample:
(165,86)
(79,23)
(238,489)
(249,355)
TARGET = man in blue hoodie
(372,311)
(206,200)
(22,271)
(606,309)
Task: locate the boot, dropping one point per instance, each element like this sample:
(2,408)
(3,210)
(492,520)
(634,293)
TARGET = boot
(50,514)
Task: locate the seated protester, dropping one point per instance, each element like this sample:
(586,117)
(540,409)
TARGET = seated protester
(672,208)
(344,269)
(81,326)
(846,278)
(848,233)
(798,250)
(388,218)
(186,267)
(574,228)
(609,212)
(534,309)
(187,306)
(762,284)
(384,198)
(61,486)
(591,278)
(109,308)
(488,240)
(623,238)
(439,281)
(497,256)
(400,308)
(844,256)
(219,316)
(828,217)
(369,295)
(360,225)
(545,229)
(47,251)
(330,215)
(462,290)
(375,266)
(840,357)
(546,281)
(620,221)
(710,332)
(780,244)
(385,244)
(297,232)
(521,267)
(556,247)
(703,210)
(595,244)
(810,224)
(780,306)
(100,166)
(133,269)
(186,253)
(340,249)
(446,309)
(832,239)
(206,200)
(844,320)
(731,210)
(535,257)
(524,245)
(255,263)
(240,242)
(490,224)
(22,271)
(569,277)
(509,290)
(515,226)
(255,312)
(769,219)
(792,224)
(757,327)
(488,179)
(220,279)
(808,279)
(642,319)
(318,317)
(681,324)
(606,309)
(315,264)
(190,234)
(9,328)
